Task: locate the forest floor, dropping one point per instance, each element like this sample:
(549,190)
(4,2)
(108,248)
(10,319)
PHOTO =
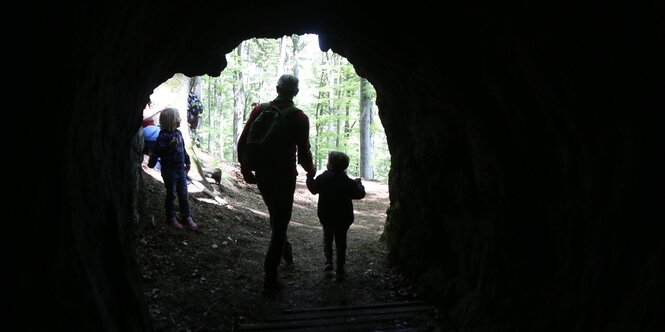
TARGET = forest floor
(212,278)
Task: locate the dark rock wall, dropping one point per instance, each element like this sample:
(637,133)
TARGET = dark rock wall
(526,181)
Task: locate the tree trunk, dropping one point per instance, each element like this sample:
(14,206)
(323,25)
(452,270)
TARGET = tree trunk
(295,40)
(210,103)
(347,126)
(195,86)
(317,124)
(282,57)
(238,102)
(365,133)
(331,94)
(221,129)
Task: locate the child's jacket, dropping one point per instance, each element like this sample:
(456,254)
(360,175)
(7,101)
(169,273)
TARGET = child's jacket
(336,190)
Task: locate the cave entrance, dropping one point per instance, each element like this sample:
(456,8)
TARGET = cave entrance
(213,276)
(340,104)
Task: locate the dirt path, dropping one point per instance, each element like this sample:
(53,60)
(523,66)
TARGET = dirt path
(211,279)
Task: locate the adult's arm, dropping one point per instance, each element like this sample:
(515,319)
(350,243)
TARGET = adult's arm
(302,142)
(312,184)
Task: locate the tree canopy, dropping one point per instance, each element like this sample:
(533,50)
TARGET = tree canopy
(330,95)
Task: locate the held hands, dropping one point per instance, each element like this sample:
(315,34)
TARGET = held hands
(248,176)
(312,173)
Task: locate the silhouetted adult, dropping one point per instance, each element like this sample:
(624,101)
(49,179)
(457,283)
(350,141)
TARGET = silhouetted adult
(277,180)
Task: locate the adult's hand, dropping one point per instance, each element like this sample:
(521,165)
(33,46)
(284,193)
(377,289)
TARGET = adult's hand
(311,173)
(248,176)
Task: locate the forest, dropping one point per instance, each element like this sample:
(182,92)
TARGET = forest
(340,104)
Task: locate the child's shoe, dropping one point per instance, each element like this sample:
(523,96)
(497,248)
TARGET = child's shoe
(189,223)
(173,222)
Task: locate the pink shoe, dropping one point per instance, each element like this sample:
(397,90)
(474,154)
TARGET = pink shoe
(189,223)
(173,222)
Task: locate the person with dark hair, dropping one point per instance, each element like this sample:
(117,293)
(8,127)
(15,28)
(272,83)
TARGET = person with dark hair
(277,180)
(335,208)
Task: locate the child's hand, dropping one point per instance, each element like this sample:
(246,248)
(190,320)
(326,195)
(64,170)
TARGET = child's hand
(312,173)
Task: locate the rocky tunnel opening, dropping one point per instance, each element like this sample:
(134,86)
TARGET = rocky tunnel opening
(526,177)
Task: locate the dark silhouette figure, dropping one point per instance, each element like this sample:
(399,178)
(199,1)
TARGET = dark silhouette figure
(335,208)
(277,179)
(194,111)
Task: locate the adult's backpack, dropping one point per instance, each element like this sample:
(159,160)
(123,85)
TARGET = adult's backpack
(267,136)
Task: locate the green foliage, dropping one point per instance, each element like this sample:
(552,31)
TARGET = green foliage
(329,96)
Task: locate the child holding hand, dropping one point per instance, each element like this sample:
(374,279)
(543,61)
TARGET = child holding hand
(335,208)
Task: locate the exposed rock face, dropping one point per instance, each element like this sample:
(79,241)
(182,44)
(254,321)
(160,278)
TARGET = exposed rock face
(526,183)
